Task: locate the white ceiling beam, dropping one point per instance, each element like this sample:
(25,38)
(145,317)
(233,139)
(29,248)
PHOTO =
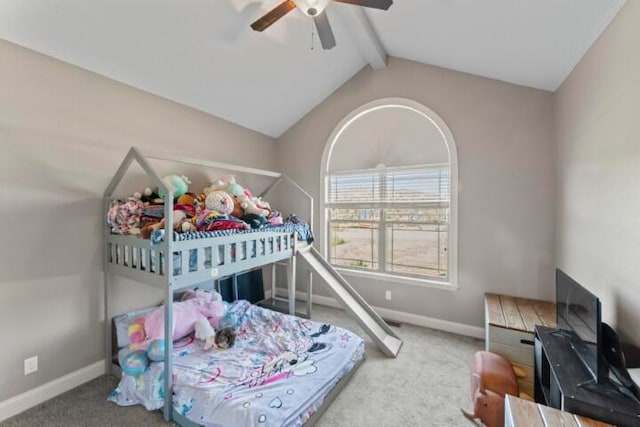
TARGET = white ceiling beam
(365,36)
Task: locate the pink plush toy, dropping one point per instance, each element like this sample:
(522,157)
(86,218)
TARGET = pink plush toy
(124,217)
(200,305)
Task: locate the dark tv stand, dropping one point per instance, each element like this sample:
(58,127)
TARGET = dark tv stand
(563,382)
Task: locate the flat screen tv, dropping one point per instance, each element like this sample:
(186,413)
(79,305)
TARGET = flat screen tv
(578,315)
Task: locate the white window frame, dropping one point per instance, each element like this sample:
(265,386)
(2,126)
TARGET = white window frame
(451,283)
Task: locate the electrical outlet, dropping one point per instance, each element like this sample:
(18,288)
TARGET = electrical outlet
(30,365)
(387,295)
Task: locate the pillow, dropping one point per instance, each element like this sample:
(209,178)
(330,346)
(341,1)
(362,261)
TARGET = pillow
(122,323)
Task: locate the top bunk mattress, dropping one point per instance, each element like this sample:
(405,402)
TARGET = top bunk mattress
(278,372)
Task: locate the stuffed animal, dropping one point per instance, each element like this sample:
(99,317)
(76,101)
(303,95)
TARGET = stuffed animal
(189,203)
(148,196)
(250,207)
(237,211)
(181,223)
(242,195)
(187,198)
(225,337)
(203,305)
(220,201)
(254,221)
(275,218)
(229,185)
(205,332)
(124,216)
(260,204)
(179,185)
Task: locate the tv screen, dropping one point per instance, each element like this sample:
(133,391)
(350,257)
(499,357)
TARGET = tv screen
(578,317)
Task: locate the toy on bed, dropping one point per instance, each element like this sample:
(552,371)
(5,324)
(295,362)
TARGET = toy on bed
(124,216)
(187,207)
(181,223)
(178,184)
(224,205)
(273,216)
(222,338)
(195,305)
(229,185)
(252,210)
(146,334)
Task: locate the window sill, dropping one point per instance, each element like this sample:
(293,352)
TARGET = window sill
(425,283)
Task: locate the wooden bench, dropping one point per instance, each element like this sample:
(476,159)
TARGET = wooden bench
(509,329)
(522,413)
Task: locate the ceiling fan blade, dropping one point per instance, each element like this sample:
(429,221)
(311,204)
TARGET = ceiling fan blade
(376,4)
(324,31)
(273,15)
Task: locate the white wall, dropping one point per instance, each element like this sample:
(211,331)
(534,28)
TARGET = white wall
(63,133)
(506,171)
(598,137)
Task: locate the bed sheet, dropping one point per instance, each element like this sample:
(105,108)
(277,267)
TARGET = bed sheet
(277,374)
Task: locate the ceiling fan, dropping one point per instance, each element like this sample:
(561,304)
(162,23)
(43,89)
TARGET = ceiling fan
(314,9)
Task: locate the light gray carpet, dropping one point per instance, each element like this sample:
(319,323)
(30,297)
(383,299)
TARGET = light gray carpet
(425,386)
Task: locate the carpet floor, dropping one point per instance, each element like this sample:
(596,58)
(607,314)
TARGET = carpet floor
(425,386)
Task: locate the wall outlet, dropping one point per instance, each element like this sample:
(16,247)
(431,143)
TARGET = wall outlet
(30,365)
(387,295)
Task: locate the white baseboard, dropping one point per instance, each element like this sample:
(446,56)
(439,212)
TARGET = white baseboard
(400,316)
(33,397)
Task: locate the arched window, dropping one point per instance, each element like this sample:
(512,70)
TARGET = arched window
(390,175)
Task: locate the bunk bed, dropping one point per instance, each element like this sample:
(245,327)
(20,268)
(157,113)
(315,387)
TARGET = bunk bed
(175,264)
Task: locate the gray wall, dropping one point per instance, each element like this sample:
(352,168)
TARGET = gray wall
(598,137)
(506,169)
(63,133)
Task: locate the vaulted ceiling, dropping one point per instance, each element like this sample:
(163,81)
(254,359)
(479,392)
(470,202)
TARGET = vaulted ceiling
(203,54)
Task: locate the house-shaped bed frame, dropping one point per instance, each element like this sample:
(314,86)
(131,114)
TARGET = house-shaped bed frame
(216,258)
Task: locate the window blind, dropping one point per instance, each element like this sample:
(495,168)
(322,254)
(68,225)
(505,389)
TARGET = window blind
(424,184)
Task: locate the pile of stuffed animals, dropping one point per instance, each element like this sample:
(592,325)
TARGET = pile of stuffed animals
(224,204)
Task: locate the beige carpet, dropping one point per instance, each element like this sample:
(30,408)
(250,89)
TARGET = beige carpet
(425,386)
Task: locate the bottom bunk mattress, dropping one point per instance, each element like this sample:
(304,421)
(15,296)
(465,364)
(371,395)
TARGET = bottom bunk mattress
(278,372)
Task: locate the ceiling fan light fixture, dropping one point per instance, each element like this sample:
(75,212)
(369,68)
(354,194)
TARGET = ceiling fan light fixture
(312,7)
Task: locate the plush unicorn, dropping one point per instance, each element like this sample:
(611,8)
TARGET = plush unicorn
(199,305)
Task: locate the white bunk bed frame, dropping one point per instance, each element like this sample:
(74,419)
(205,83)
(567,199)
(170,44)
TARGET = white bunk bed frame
(217,257)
